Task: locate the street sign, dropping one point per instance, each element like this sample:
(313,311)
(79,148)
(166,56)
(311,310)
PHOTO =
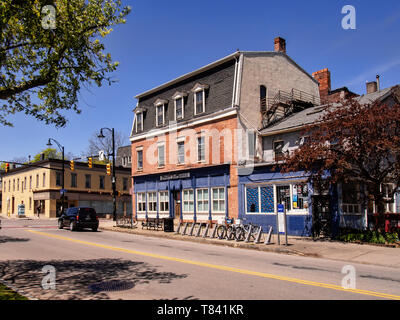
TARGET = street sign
(281,218)
(63,191)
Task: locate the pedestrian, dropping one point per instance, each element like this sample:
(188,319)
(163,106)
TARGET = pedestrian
(38,212)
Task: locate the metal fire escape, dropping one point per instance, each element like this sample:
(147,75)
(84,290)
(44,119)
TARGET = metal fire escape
(284,104)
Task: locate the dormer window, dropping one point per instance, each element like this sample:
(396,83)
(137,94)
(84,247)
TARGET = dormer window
(139,118)
(139,121)
(199,91)
(179,103)
(160,111)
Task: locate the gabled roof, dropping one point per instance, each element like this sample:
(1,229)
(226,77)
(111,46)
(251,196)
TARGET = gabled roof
(311,115)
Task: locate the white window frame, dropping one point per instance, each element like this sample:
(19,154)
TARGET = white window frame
(152,202)
(136,122)
(199,160)
(203,201)
(140,149)
(163,111)
(177,153)
(141,199)
(203,91)
(181,98)
(160,202)
(218,200)
(187,200)
(161,145)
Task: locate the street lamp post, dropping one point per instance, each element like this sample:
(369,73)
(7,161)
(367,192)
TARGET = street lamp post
(63,172)
(113,179)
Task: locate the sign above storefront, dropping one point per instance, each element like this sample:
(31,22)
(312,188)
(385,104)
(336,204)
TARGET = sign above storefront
(175,176)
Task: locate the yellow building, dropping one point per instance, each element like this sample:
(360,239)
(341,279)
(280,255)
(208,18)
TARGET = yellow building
(38,186)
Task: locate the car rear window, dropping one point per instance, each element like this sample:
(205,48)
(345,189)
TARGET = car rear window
(87,212)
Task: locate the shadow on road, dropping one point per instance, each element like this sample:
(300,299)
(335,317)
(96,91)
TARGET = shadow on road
(82,279)
(4,239)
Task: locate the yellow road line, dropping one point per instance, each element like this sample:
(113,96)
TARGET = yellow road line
(224,268)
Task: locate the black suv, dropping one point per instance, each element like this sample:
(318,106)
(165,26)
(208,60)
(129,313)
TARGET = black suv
(79,218)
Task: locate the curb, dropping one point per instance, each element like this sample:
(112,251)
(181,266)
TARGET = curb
(226,243)
(20,292)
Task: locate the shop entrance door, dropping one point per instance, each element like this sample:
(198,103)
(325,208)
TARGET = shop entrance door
(177,204)
(322,220)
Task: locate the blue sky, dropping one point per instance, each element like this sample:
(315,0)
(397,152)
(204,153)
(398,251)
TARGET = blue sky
(165,39)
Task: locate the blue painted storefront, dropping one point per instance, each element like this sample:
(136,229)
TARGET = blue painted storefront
(297,224)
(205,177)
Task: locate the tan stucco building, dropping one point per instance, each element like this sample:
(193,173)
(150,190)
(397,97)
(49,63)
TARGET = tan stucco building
(38,186)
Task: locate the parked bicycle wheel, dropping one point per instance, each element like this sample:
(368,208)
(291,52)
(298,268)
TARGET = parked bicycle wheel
(230,233)
(221,232)
(239,233)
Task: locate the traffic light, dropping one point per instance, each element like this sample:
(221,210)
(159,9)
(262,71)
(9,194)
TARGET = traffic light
(7,167)
(109,169)
(90,163)
(72,165)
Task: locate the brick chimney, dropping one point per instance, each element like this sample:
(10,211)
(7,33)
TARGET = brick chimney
(280,44)
(324,78)
(372,87)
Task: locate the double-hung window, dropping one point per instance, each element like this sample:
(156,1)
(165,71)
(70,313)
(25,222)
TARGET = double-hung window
(73,180)
(179,108)
(58,179)
(161,155)
(152,201)
(88,181)
(218,200)
(202,200)
(188,201)
(163,201)
(141,202)
(139,121)
(199,98)
(201,150)
(139,156)
(199,102)
(181,152)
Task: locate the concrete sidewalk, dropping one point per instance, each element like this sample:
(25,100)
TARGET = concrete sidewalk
(349,252)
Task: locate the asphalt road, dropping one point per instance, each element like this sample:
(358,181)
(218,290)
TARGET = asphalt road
(111,265)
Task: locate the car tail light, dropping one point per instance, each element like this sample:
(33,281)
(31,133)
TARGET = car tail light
(77,217)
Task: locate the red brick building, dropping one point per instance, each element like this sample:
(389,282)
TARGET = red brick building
(190,135)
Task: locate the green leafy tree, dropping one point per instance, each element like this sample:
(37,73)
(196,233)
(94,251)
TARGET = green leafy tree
(46,58)
(49,153)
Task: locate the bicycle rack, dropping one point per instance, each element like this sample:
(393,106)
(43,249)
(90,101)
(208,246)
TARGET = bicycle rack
(184,230)
(258,238)
(214,232)
(249,234)
(198,230)
(192,228)
(206,230)
(179,228)
(268,237)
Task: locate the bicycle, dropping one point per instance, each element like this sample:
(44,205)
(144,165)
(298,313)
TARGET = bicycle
(243,230)
(225,230)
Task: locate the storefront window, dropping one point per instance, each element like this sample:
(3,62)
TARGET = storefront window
(141,202)
(252,199)
(164,201)
(283,196)
(260,199)
(152,201)
(202,200)
(300,196)
(218,200)
(188,201)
